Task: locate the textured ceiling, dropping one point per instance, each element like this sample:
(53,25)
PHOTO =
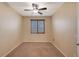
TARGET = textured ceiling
(52,7)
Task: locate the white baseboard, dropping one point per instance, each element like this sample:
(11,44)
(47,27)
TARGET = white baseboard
(11,50)
(59,49)
(35,41)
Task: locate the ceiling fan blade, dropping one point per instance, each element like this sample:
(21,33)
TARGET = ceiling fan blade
(35,6)
(40,13)
(28,10)
(43,8)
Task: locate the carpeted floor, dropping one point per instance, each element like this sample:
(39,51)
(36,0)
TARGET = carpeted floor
(35,49)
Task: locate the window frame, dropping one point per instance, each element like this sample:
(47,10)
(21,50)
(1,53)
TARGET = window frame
(37,26)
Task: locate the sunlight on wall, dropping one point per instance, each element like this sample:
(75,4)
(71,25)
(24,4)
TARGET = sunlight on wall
(61,24)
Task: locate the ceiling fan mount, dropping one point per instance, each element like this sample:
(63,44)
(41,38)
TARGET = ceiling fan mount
(36,9)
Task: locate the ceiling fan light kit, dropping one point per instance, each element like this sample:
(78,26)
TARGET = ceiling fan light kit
(35,11)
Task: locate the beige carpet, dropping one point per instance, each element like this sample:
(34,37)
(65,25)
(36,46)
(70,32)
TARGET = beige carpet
(36,49)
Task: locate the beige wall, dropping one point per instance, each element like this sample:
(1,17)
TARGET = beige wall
(64,29)
(10,29)
(78,28)
(28,37)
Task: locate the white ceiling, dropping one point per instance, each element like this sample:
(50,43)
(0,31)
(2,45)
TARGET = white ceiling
(52,7)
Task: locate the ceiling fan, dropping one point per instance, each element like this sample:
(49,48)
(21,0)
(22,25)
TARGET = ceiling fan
(36,9)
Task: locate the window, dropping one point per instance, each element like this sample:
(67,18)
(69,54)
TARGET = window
(38,26)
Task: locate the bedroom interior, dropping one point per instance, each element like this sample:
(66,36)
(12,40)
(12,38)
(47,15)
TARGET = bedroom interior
(44,29)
